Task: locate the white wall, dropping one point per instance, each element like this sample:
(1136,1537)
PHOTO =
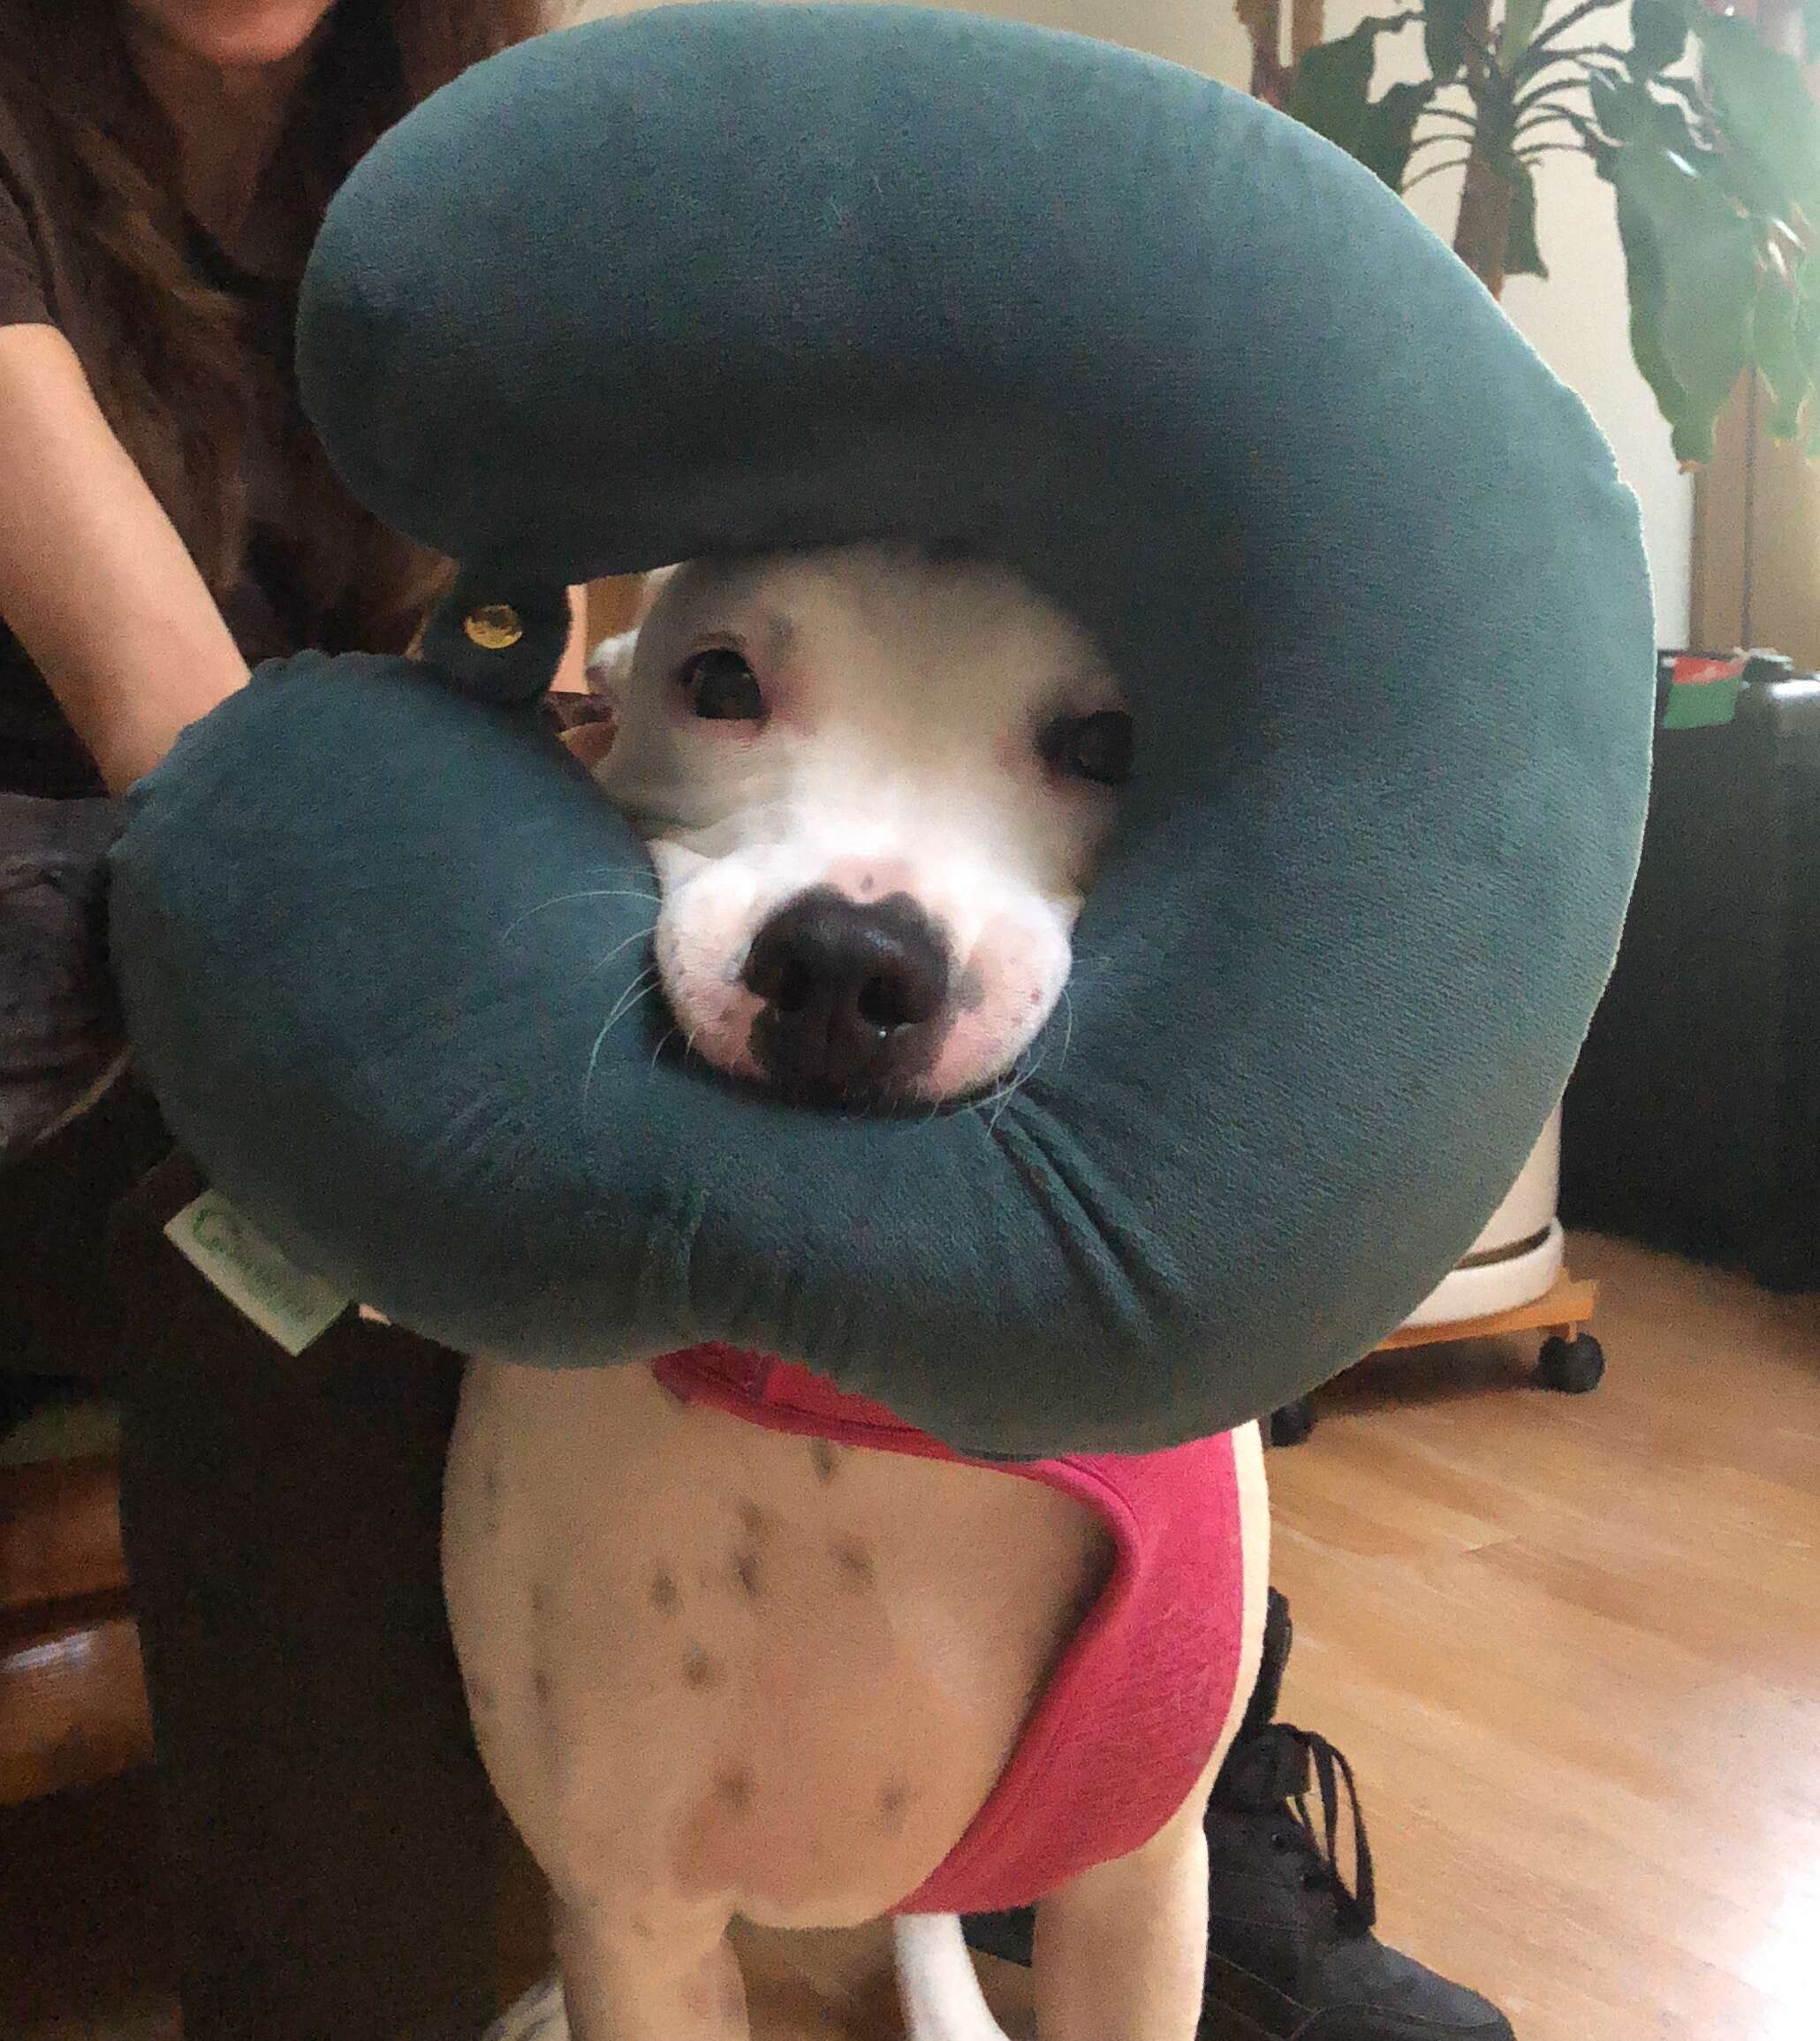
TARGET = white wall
(1201,33)
(1577,320)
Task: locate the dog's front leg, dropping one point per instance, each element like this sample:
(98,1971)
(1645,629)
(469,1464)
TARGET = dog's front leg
(633,1973)
(1120,1952)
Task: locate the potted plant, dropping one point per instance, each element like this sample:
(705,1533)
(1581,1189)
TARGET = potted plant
(1708,136)
(1709,140)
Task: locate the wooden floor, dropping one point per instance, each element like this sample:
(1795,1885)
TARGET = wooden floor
(1571,1644)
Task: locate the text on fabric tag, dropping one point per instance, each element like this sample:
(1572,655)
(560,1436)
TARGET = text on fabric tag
(287,1303)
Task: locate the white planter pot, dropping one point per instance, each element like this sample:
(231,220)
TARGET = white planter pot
(1518,1256)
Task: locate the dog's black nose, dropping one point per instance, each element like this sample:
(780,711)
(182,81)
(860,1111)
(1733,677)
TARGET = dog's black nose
(851,992)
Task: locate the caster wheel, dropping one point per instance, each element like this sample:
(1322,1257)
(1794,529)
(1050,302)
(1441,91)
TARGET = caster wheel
(1292,1423)
(1573,1366)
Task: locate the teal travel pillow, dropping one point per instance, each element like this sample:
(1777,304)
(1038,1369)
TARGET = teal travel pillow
(733,276)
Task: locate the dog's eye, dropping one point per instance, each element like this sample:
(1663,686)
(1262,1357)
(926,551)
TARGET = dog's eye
(722,687)
(1096,747)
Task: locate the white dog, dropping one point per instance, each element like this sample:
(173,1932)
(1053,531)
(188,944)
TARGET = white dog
(730,1657)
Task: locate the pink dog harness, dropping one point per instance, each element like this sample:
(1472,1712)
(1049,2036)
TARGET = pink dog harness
(1130,1717)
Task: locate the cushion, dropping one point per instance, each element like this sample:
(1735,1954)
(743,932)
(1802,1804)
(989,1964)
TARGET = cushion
(730,277)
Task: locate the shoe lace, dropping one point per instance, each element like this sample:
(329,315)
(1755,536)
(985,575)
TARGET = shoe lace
(1277,1768)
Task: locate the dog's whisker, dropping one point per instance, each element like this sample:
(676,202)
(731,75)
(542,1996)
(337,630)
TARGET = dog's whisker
(641,987)
(565,899)
(664,1042)
(988,1098)
(646,982)
(637,936)
(1021,1077)
(1002,1090)
(1008,1077)
(1068,1027)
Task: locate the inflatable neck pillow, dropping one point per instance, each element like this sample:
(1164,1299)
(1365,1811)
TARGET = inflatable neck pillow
(743,277)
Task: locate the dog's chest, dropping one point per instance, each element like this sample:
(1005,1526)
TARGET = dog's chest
(720,1660)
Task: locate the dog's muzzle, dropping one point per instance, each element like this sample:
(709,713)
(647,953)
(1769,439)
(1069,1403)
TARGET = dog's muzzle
(855,996)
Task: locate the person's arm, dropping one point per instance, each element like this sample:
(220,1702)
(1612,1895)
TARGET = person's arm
(571,674)
(94,581)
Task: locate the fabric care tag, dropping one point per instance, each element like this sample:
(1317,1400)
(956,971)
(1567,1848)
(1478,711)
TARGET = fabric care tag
(285,1302)
(1702,692)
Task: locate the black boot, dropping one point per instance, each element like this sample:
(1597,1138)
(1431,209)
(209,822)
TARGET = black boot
(1291,1955)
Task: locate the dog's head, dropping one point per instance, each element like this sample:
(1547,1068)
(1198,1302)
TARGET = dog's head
(874,782)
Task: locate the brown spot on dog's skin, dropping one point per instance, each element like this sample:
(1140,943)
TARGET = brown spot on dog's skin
(541,1687)
(482,1700)
(732,1791)
(824,1455)
(642,1929)
(749,1574)
(540,1599)
(756,1523)
(700,1671)
(666,1597)
(893,1804)
(854,1561)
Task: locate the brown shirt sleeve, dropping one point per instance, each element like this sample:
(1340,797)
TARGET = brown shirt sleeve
(23,294)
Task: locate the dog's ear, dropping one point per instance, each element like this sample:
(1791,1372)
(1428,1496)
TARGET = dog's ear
(609,667)
(653,588)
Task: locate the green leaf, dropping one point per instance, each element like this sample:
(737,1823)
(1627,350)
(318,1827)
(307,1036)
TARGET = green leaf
(1763,108)
(1521,255)
(1658,34)
(1443,34)
(1777,348)
(1388,132)
(1622,107)
(1807,338)
(1521,19)
(1691,260)
(1333,83)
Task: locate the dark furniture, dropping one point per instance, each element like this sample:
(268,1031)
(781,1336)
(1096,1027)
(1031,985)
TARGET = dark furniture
(1693,1121)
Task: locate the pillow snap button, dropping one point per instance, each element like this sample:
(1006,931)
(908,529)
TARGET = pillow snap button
(494,627)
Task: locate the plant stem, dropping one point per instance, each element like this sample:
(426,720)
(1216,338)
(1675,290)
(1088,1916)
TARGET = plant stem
(1435,141)
(1481,231)
(1262,22)
(1308,27)
(1482,235)
(1551,116)
(1574,56)
(1549,36)
(1585,61)
(1528,109)
(1437,170)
